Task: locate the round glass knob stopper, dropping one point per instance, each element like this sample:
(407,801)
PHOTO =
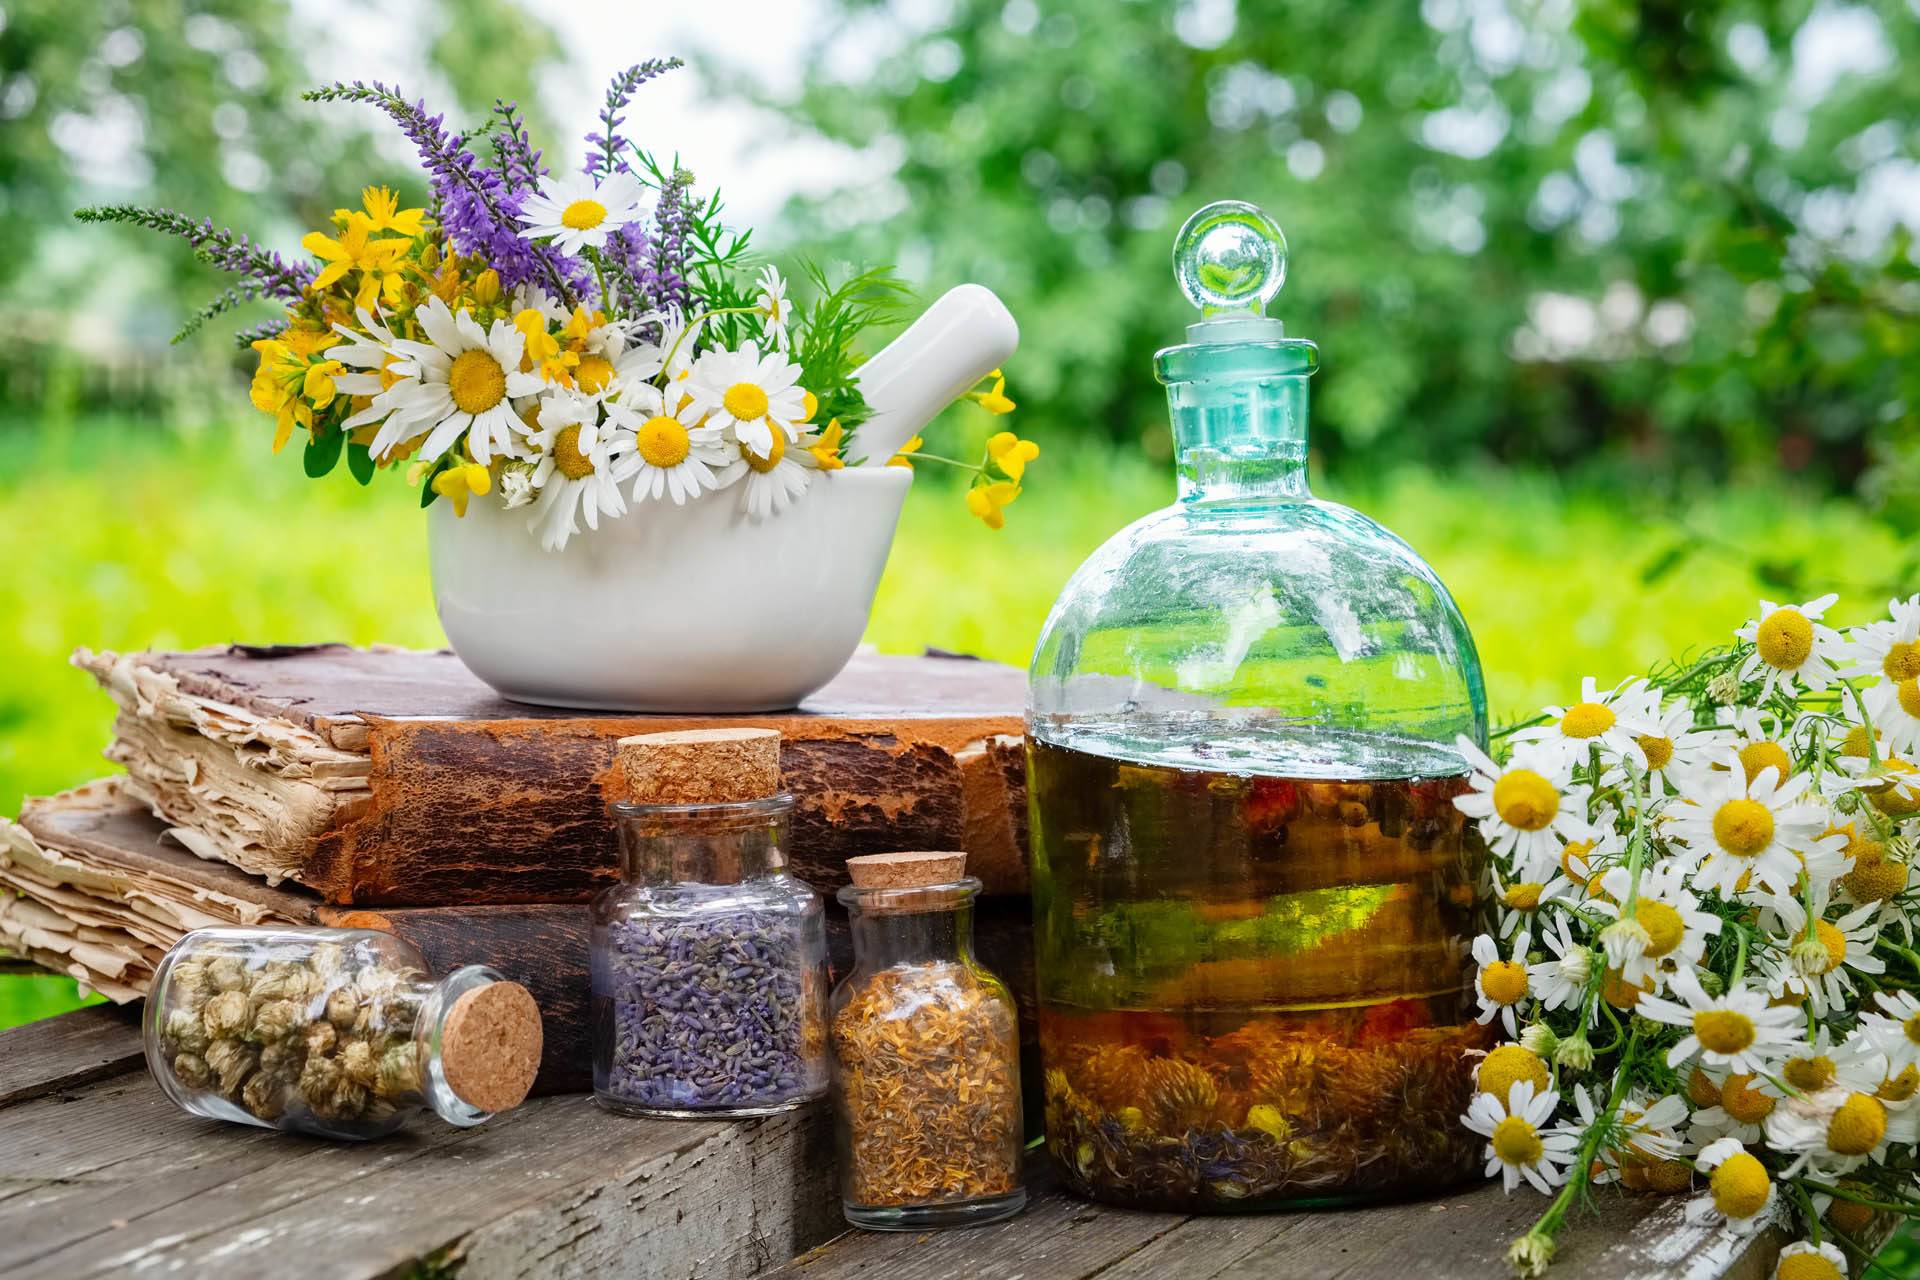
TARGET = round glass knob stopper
(1230,256)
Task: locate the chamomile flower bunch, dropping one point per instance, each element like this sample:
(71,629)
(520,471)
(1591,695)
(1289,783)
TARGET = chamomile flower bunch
(1701,952)
(570,344)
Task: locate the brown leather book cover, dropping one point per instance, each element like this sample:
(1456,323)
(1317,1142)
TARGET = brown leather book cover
(392,778)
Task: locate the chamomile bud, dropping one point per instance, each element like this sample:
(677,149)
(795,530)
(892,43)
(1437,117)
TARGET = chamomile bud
(1539,1038)
(1575,1053)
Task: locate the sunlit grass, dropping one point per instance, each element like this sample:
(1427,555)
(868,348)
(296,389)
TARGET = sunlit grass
(125,536)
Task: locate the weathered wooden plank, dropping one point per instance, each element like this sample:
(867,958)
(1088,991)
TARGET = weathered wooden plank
(112,1179)
(72,1049)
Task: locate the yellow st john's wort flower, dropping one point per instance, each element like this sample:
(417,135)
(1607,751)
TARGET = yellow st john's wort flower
(290,383)
(355,250)
(826,446)
(995,399)
(904,458)
(460,482)
(1011,454)
(989,501)
(543,351)
(384,212)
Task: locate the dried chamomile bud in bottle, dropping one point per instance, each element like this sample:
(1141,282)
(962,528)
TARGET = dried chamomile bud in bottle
(340,1033)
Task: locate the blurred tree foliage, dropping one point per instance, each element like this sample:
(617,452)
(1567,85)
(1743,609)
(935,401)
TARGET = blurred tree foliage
(1680,236)
(194,104)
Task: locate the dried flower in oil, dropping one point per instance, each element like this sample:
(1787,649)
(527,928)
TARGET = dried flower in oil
(1176,1096)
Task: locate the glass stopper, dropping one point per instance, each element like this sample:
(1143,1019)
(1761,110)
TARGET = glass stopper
(1230,257)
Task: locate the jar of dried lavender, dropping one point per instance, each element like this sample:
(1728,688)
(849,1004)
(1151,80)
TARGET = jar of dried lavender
(926,1054)
(709,959)
(341,1033)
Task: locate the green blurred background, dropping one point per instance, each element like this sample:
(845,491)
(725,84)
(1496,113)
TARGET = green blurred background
(1619,304)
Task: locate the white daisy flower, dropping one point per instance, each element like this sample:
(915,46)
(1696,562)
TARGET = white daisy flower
(1809,1259)
(1672,746)
(1500,984)
(575,212)
(535,297)
(579,456)
(1520,901)
(1895,1030)
(1738,1030)
(1645,1133)
(1527,807)
(369,347)
(1817,966)
(774,480)
(1895,709)
(1740,1194)
(1792,647)
(1742,1101)
(1591,848)
(754,397)
(1835,1130)
(672,455)
(1560,982)
(1516,1146)
(1889,649)
(462,379)
(1745,832)
(1667,927)
(774,309)
(1611,721)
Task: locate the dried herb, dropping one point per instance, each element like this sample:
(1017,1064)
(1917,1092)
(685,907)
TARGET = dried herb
(1141,1109)
(714,1010)
(928,1062)
(321,1036)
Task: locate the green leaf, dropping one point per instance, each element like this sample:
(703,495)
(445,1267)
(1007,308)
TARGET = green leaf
(323,451)
(360,463)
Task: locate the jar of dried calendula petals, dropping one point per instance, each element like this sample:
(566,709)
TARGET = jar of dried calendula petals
(341,1033)
(926,1054)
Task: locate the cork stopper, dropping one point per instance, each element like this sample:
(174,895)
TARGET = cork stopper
(700,766)
(490,1046)
(906,870)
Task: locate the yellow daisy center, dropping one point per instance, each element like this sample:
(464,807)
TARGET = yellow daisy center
(1658,750)
(1784,639)
(1620,993)
(1524,896)
(1740,1186)
(663,441)
(1873,878)
(1664,927)
(1857,1127)
(1807,1266)
(1504,981)
(1900,795)
(1701,1090)
(1743,827)
(593,373)
(476,381)
(1576,850)
(1525,800)
(1756,756)
(771,459)
(1587,720)
(1909,694)
(1507,1066)
(1901,1087)
(1809,1075)
(1723,1030)
(1517,1142)
(745,401)
(583,215)
(1742,1102)
(1850,1217)
(1855,747)
(1834,941)
(1902,661)
(572,463)
(1912,1027)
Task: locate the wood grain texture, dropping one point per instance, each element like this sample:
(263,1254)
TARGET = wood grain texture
(462,797)
(53,1054)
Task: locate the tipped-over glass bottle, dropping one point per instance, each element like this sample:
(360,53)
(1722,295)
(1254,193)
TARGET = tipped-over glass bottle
(1251,886)
(341,1033)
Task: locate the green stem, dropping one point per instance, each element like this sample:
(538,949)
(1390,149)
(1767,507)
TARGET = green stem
(1549,1222)
(1739,957)
(1906,1208)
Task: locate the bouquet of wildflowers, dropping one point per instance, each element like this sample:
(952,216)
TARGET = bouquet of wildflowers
(568,344)
(1704,955)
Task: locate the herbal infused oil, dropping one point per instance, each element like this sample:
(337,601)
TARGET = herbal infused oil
(1286,1017)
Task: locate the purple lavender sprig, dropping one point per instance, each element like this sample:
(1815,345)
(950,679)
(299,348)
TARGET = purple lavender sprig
(514,156)
(665,270)
(603,148)
(477,208)
(271,274)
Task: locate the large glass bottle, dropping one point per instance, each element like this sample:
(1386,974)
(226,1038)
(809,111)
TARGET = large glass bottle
(1252,890)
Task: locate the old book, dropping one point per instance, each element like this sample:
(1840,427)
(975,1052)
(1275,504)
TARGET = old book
(106,888)
(391,778)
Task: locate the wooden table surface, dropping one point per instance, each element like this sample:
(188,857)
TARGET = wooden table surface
(101,1175)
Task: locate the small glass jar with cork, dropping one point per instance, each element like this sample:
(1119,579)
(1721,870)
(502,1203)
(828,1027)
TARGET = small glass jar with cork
(709,958)
(339,1033)
(926,1053)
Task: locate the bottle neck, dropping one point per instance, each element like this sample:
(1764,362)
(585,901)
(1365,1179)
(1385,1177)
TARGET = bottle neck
(1239,415)
(703,844)
(911,926)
